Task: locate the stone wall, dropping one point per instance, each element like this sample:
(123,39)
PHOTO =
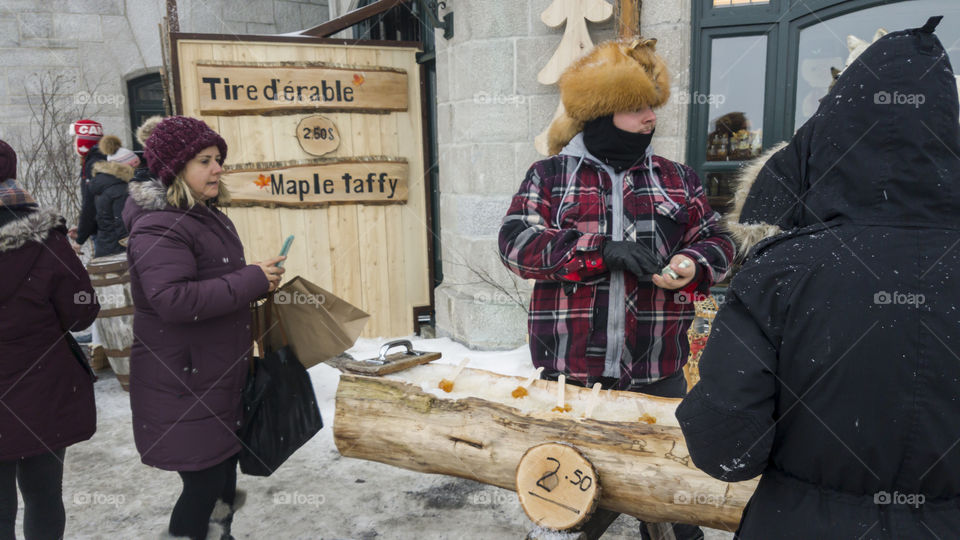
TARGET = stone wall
(96,46)
(490,109)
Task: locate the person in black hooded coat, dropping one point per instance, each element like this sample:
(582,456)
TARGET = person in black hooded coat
(108,189)
(833,368)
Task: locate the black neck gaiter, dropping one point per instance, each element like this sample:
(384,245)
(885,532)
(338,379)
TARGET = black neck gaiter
(618,148)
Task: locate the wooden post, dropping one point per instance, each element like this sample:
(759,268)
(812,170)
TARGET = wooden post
(627,13)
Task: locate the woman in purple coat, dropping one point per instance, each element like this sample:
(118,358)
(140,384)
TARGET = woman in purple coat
(46,391)
(192,290)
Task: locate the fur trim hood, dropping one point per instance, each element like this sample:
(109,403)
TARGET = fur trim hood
(35,227)
(120,170)
(149,195)
(146,129)
(747,235)
(616,76)
(109,145)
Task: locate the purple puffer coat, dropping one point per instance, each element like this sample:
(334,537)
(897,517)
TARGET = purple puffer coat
(191,289)
(45,291)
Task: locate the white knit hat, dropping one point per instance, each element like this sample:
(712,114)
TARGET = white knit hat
(125,156)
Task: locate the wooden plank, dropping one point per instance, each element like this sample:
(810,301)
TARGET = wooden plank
(416,258)
(351,18)
(293,221)
(316,221)
(401,308)
(322,182)
(343,234)
(371,221)
(190,52)
(275,89)
(374,266)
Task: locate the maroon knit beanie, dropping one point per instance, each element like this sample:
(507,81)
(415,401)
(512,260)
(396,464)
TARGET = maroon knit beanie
(175,141)
(8,162)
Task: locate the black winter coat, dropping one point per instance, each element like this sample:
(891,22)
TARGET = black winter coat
(833,369)
(48,398)
(87,222)
(108,188)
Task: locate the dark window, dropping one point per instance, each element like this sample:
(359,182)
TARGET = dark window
(761,68)
(146,100)
(401,23)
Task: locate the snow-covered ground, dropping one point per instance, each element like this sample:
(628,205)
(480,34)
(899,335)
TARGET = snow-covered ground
(317,494)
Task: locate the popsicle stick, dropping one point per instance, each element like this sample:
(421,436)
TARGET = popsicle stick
(463,364)
(530,379)
(561,387)
(592,400)
(447,384)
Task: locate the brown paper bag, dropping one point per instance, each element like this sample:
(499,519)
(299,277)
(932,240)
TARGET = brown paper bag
(318,324)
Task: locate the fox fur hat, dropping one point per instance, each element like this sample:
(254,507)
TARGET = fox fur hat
(616,76)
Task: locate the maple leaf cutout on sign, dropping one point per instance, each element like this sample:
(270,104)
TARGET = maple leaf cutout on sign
(358,79)
(262,181)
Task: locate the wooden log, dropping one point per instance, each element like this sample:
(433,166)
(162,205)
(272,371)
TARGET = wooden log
(557,486)
(645,469)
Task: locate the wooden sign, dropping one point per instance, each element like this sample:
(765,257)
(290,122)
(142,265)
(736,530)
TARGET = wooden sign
(557,486)
(236,88)
(318,135)
(381,180)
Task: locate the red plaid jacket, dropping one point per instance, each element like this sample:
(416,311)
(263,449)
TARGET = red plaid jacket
(553,232)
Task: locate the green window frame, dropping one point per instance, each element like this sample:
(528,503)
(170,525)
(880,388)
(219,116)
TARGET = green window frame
(781,21)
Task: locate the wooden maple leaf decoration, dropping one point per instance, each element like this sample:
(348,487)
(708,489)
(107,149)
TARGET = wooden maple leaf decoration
(262,181)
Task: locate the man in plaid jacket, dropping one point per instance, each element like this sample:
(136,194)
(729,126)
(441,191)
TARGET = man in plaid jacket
(601,310)
(619,240)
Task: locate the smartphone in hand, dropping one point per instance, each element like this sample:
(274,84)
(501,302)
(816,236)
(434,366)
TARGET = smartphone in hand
(285,249)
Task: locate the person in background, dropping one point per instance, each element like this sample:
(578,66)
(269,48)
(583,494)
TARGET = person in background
(142,172)
(46,389)
(832,368)
(616,237)
(108,189)
(86,135)
(192,290)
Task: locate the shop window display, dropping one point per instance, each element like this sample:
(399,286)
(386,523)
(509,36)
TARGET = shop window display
(760,70)
(826,48)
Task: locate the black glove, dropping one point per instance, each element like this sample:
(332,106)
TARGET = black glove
(636,258)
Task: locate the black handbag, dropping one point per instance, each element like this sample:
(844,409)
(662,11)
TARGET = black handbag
(80,356)
(279,406)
